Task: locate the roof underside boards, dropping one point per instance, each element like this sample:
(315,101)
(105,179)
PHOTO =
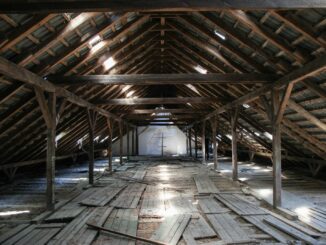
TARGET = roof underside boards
(224,41)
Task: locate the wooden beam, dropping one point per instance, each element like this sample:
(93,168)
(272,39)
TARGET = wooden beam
(91,119)
(40,97)
(196,142)
(128,143)
(110,123)
(234,120)
(153,101)
(121,142)
(164,79)
(189,141)
(22,31)
(167,110)
(67,6)
(158,117)
(137,141)
(214,126)
(14,71)
(284,101)
(306,114)
(277,151)
(203,142)
(133,142)
(315,88)
(50,153)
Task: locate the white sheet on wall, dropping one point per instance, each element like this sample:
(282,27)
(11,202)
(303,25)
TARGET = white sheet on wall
(152,138)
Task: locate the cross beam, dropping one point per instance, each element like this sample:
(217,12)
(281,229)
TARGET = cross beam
(163,79)
(67,6)
(167,110)
(153,101)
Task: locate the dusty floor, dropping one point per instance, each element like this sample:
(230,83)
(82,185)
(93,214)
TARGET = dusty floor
(175,201)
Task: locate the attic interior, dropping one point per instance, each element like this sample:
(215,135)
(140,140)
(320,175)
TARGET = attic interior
(207,122)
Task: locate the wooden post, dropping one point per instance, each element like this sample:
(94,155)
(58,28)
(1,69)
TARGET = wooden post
(203,147)
(189,139)
(196,143)
(277,111)
(109,123)
(137,142)
(234,119)
(128,143)
(187,143)
(277,158)
(48,109)
(121,141)
(133,142)
(91,116)
(251,156)
(50,154)
(213,125)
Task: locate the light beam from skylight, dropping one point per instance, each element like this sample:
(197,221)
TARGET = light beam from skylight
(200,69)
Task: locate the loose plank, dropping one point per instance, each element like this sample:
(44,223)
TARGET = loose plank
(130,196)
(77,232)
(228,229)
(239,205)
(102,196)
(290,230)
(205,185)
(210,206)
(172,228)
(122,220)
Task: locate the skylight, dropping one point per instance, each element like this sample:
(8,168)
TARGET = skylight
(220,35)
(192,87)
(109,63)
(200,69)
(129,94)
(268,135)
(95,40)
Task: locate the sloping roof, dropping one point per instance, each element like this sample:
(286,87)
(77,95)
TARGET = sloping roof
(226,41)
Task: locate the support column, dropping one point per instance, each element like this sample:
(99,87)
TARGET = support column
(189,140)
(187,143)
(109,123)
(277,154)
(196,143)
(91,116)
(203,141)
(50,154)
(121,141)
(133,142)
(137,142)
(277,111)
(234,120)
(128,143)
(48,109)
(214,126)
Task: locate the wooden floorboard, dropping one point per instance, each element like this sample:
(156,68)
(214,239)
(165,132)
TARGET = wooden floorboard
(168,200)
(130,196)
(205,185)
(172,228)
(122,220)
(102,196)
